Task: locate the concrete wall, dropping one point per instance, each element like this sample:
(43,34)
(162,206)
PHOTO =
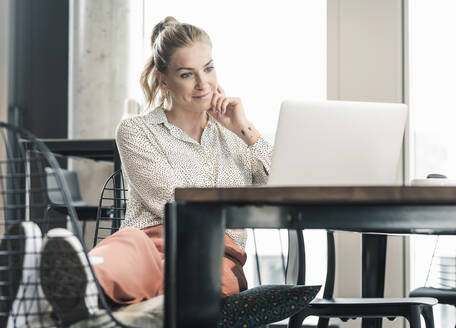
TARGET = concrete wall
(365,64)
(4,31)
(99,65)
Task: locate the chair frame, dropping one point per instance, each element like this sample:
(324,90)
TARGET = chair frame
(349,308)
(444,295)
(18,143)
(116,212)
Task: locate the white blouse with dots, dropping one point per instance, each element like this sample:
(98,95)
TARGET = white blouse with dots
(157,157)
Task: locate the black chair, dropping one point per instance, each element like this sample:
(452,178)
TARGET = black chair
(446,292)
(85,212)
(443,290)
(24,219)
(111,207)
(352,308)
(111,213)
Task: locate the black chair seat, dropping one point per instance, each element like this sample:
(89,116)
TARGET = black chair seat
(444,296)
(320,302)
(85,213)
(352,308)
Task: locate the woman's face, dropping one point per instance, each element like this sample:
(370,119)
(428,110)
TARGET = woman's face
(191,78)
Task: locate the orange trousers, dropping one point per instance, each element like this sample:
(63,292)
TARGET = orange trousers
(133,265)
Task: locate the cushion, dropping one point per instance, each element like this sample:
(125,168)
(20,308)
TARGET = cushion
(265,304)
(129,319)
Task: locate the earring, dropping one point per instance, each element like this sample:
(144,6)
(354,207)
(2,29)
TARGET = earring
(166,98)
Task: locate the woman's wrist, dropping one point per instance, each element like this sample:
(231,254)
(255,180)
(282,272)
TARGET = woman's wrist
(248,133)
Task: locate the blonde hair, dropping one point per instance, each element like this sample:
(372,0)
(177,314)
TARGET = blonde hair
(167,36)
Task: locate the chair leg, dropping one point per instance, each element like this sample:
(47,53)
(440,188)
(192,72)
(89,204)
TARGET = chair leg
(428,316)
(323,323)
(414,318)
(297,319)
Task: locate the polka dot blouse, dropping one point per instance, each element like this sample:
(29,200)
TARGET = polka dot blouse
(157,157)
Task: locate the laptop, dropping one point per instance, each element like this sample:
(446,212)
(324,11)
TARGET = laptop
(337,143)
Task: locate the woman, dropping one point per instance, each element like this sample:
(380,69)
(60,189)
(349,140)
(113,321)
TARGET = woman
(202,138)
(195,136)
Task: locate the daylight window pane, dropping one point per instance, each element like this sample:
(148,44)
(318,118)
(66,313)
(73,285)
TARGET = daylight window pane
(264,51)
(432,53)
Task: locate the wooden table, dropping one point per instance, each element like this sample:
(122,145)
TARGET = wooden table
(96,149)
(198,218)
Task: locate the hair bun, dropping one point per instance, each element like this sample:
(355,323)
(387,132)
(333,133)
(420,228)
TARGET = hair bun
(169,20)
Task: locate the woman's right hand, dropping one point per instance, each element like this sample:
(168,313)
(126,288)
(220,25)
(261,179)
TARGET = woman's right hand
(230,113)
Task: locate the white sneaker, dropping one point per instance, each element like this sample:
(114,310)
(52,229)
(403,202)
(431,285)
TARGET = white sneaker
(66,278)
(21,300)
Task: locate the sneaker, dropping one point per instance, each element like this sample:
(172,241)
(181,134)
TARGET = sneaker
(21,300)
(66,278)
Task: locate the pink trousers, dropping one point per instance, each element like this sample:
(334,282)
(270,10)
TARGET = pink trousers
(133,266)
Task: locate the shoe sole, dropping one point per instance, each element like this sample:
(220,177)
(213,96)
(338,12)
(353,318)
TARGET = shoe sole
(19,262)
(66,279)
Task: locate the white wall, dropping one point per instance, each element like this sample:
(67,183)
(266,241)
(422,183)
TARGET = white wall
(365,64)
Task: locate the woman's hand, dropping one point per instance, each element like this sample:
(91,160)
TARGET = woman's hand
(230,113)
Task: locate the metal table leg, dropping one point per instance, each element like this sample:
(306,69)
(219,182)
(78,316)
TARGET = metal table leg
(193,264)
(373,271)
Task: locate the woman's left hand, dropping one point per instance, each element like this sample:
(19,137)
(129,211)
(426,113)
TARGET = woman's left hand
(228,111)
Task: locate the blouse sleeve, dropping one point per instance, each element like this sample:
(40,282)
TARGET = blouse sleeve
(261,155)
(148,172)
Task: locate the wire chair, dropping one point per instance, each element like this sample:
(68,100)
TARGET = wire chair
(111,207)
(440,279)
(111,213)
(442,269)
(29,295)
(258,259)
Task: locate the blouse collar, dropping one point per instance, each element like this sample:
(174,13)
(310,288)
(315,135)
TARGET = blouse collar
(158,116)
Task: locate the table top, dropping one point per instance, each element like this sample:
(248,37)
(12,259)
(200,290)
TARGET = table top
(319,195)
(84,144)
(97,149)
(195,223)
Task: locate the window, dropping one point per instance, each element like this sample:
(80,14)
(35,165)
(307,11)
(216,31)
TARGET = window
(264,51)
(432,84)
(433,108)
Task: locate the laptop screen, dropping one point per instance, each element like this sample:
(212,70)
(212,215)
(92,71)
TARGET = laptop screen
(337,143)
